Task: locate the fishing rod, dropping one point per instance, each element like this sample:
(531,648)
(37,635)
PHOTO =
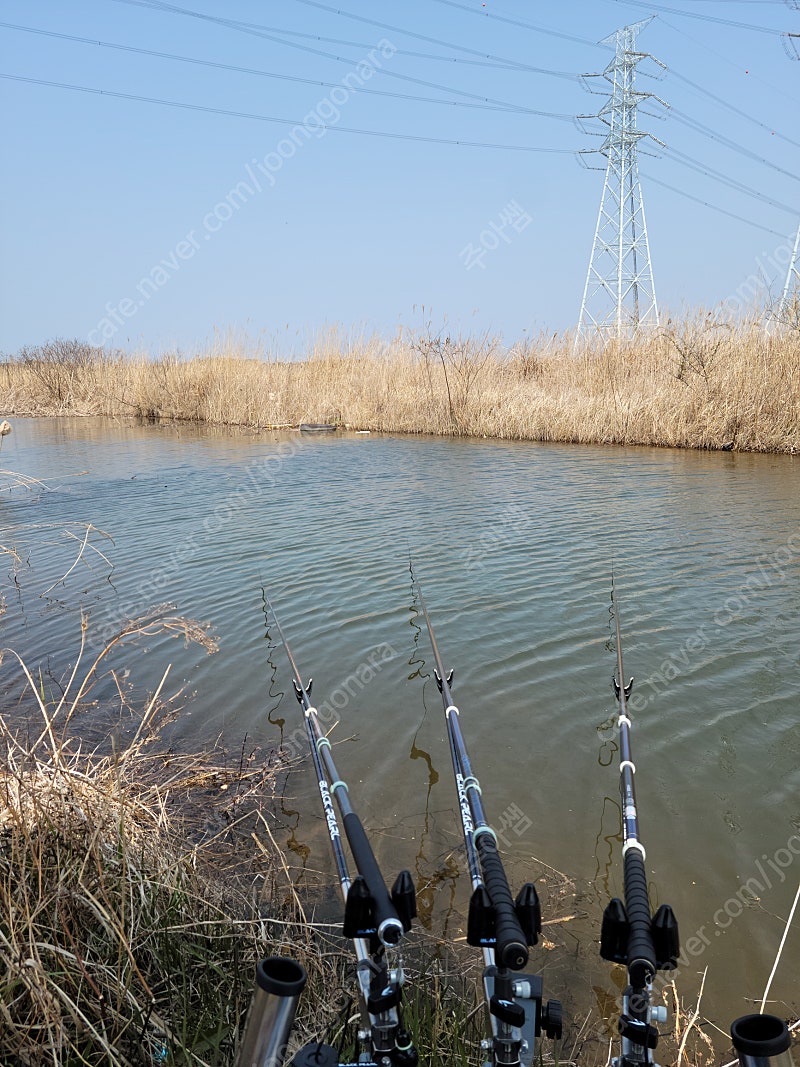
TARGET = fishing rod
(502,927)
(630,934)
(646,944)
(374,919)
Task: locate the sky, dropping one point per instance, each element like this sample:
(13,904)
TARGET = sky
(377,166)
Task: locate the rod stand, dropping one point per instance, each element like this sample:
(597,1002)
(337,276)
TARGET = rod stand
(279,983)
(637,1027)
(385,1040)
(518,1016)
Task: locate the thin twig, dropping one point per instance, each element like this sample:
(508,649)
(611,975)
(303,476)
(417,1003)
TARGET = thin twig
(692,1018)
(780,950)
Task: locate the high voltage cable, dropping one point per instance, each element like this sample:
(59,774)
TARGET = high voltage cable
(257,30)
(732,107)
(724,58)
(512,109)
(732,183)
(281,121)
(581,40)
(714,207)
(513,22)
(699,15)
(410,33)
(254,30)
(461,60)
(496,64)
(693,123)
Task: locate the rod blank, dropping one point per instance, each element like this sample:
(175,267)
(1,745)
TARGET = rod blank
(511,949)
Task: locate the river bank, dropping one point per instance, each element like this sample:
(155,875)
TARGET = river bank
(133,927)
(697,384)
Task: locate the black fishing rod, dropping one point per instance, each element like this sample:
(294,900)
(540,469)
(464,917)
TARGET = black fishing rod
(630,933)
(502,927)
(374,919)
(646,944)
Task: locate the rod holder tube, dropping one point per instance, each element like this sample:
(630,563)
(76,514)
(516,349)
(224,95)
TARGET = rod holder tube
(762,1041)
(279,983)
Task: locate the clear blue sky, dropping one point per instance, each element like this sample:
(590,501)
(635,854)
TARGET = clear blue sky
(101,192)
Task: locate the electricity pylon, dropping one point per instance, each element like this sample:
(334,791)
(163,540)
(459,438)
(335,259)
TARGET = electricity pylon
(788,313)
(619,297)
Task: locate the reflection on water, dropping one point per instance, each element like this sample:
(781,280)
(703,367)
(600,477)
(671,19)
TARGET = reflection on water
(514,544)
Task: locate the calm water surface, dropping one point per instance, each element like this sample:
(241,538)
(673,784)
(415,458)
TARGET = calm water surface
(515,544)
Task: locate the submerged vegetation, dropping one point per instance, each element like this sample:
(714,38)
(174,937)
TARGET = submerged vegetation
(696,383)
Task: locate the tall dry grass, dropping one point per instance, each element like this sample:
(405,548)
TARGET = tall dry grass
(131,918)
(696,383)
(130,930)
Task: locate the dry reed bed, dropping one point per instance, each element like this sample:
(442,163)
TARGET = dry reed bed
(129,925)
(139,886)
(696,384)
(126,941)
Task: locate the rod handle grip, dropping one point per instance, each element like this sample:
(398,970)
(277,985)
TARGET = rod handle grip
(641,951)
(511,949)
(390,928)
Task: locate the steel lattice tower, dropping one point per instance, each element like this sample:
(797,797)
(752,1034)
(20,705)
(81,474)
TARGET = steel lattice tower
(788,312)
(619,297)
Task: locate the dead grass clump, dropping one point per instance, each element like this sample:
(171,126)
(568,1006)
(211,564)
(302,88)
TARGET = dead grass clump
(121,942)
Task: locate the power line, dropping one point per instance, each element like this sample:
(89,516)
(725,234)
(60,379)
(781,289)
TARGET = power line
(527,25)
(732,107)
(460,60)
(713,207)
(254,30)
(707,47)
(512,22)
(700,127)
(297,123)
(732,183)
(513,109)
(700,15)
(259,31)
(398,29)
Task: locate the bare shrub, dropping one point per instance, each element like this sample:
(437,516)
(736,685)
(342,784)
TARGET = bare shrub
(59,365)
